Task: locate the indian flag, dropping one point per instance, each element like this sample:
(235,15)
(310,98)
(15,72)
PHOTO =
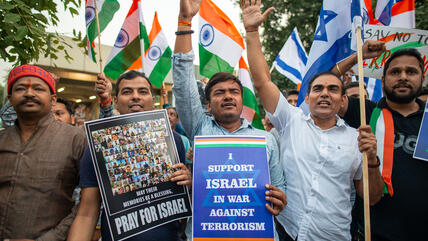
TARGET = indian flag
(230,141)
(251,109)
(396,13)
(106,10)
(382,126)
(157,61)
(220,44)
(126,53)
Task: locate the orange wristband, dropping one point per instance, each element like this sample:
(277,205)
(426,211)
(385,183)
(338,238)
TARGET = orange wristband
(184,23)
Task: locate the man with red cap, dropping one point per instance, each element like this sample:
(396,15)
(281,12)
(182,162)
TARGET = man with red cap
(39,161)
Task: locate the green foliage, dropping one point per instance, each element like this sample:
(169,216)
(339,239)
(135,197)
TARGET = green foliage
(23,29)
(421,13)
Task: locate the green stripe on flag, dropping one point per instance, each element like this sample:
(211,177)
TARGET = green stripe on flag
(144,36)
(373,119)
(250,101)
(105,15)
(230,145)
(123,60)
(161,69)
(211,64)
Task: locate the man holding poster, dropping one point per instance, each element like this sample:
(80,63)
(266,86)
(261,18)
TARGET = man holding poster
(224,95)
(320,154)
(133,94)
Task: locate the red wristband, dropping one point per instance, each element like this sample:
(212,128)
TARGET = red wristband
(104,103)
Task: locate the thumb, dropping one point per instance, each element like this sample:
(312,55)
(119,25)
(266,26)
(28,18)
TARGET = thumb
(267,12)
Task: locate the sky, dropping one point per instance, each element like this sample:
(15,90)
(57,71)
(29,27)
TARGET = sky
(167,14)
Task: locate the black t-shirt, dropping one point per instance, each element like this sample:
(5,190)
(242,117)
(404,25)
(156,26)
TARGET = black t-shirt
(88,178)
(404,215)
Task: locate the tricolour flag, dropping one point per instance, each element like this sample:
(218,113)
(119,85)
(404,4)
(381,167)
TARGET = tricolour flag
(106,10)
(332,40)
(157,61)
(250,110)
(291,60)
(126,53)
(396,13)
(220,44)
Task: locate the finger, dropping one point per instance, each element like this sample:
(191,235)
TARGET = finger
(275,194)
(267,12)
(179,165)
(271,210)
(277,203)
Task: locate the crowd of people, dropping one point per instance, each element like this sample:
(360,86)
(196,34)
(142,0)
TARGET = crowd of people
(314,159)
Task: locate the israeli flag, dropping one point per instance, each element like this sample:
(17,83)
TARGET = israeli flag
(291,60)
(332,41)
(373,86)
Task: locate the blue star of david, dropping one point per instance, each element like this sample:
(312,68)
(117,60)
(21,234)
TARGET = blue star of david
(325,17)
(249,191)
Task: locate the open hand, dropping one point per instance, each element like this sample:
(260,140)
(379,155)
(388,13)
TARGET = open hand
(251,14)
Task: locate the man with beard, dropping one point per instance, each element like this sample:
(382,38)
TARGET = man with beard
(396,118)
(39,161)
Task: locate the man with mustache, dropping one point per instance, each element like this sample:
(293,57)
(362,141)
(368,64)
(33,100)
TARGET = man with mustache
(223,93)
(133,94)
(402,211)
(39,161)
(320,153)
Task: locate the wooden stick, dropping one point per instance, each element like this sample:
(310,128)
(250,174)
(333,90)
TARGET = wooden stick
(99,36)
(367,232)
(271,69)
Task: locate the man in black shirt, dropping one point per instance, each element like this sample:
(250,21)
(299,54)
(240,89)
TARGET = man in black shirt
(396,118)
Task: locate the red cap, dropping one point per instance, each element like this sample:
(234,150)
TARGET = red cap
(29,70)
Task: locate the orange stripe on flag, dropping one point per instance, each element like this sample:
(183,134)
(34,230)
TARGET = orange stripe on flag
(242,64)
(402,7)
(156,28)
(233,239)
(133,8)
(388,151)
(136,65)
(220,21)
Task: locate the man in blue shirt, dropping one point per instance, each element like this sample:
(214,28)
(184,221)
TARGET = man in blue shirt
(133,94)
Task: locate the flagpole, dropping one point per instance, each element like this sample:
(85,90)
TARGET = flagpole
(271,69)
(99,36)
(367,232)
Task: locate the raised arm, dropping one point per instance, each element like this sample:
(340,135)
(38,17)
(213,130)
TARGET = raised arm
(253,18)
(188,9)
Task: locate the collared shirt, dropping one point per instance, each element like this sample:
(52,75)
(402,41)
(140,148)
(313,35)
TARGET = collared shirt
(195,122)
(37,179)
(320,166)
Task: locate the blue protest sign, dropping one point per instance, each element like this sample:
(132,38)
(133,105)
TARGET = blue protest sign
(421,150)
(229,178)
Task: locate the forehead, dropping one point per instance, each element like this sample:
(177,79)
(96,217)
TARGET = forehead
(59,106)
(135,83)
(26,80)
(326,80)
(170,110)
(404,61)
(227,84)
(292,96)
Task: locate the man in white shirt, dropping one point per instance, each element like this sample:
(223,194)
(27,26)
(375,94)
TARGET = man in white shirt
(320,154)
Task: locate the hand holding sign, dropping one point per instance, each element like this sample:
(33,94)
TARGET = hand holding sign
(182,176)
(277,198)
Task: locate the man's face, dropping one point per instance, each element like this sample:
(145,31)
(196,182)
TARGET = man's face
(292,99)
(325,98)
(61,113)
(355,92)
(31,95)
(226,102)
(173,118)
(403,79)
(134,96)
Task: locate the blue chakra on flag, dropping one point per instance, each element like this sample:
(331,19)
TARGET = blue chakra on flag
(89,15)
(365,16)
(154,53)
(122,39)
(206,35)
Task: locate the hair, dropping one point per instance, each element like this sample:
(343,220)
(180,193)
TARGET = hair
(353,85)
(67,105)
(291,92)
(407,52)
(129,75)
(219,78)
(322,74)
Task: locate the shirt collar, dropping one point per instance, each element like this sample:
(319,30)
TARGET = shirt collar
(244,124)
(43,122)
(382,104)
(339,121)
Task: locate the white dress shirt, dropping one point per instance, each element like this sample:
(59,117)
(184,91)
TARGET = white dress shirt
(319,167)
